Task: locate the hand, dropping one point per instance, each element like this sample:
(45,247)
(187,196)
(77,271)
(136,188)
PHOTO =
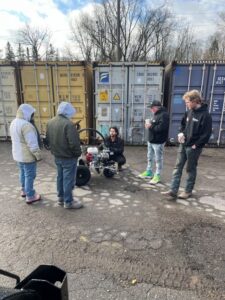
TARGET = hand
(181,138)
(193,147)
(147,126)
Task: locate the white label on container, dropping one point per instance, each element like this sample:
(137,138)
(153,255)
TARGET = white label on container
(103,113)
(42,76)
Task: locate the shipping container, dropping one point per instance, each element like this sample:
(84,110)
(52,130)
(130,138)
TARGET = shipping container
(36,90)
(122,92)
(8,98)
(206,77)
(45,84)
(72,82)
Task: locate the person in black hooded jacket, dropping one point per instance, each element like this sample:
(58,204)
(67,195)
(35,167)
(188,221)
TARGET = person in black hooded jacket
(195,131)
(157,127)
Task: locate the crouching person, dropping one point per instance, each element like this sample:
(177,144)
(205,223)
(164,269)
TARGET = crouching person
(25,150)
(64,142)
(116,146)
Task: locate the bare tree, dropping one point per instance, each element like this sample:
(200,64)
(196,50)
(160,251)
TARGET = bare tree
(141,31)
(153,35)
(215,46)
(185,45)
(80,34)
(34,38)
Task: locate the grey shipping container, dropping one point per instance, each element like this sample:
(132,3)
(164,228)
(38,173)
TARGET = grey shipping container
(122,93)
(8,98)
(206,77)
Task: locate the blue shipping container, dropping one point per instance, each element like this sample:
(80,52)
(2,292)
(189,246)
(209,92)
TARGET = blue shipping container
(206,77)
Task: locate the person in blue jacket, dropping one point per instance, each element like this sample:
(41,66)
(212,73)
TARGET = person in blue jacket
(195,131)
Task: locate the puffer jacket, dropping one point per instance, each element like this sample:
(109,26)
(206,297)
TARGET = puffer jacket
(24,136)
(62,135)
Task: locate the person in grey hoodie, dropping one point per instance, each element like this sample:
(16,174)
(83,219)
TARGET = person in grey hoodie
(64,142)
(25,150)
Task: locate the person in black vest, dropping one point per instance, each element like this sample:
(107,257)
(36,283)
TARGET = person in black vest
(195,131)
(116,146)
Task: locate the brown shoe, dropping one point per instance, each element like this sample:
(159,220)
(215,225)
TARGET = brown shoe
(184,195)
(170,195)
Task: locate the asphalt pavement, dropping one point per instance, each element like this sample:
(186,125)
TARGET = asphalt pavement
(127,242)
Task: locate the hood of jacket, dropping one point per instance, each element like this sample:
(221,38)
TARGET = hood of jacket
(66,109)
(25,112)
(203,107)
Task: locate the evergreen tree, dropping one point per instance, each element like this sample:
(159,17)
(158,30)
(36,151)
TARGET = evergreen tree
(57,55)
(20,53)
(50,53)
(28,54)
(9,54)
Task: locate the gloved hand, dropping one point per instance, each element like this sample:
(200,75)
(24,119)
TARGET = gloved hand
(181,138)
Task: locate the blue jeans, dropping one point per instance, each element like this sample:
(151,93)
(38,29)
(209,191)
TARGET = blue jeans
(27,175)
(155,154)
(191,156)
(66,176)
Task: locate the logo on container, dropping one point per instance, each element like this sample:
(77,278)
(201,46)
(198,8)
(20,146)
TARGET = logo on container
(104,77)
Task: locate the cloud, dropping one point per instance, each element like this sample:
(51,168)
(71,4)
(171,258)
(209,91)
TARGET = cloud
(38,13)
(56,15)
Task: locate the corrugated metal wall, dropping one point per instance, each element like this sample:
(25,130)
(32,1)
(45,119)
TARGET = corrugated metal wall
(45,85)
(36,89)
(8,99)
(209,79)
(122,92)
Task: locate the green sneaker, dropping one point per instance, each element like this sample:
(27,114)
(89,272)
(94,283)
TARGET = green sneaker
(146,174)
(156,179)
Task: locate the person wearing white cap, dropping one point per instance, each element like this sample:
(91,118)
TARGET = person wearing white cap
(64,142)
(26,150)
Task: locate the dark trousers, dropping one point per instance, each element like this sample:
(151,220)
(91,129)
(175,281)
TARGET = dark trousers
(189,156)
(120,159)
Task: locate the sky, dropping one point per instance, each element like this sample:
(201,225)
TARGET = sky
(56,15)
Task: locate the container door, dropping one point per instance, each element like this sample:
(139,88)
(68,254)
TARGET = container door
(111,98)
(37,91)
(185,77)
(70,84)
(215,99)
(145,85)
(8,99)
